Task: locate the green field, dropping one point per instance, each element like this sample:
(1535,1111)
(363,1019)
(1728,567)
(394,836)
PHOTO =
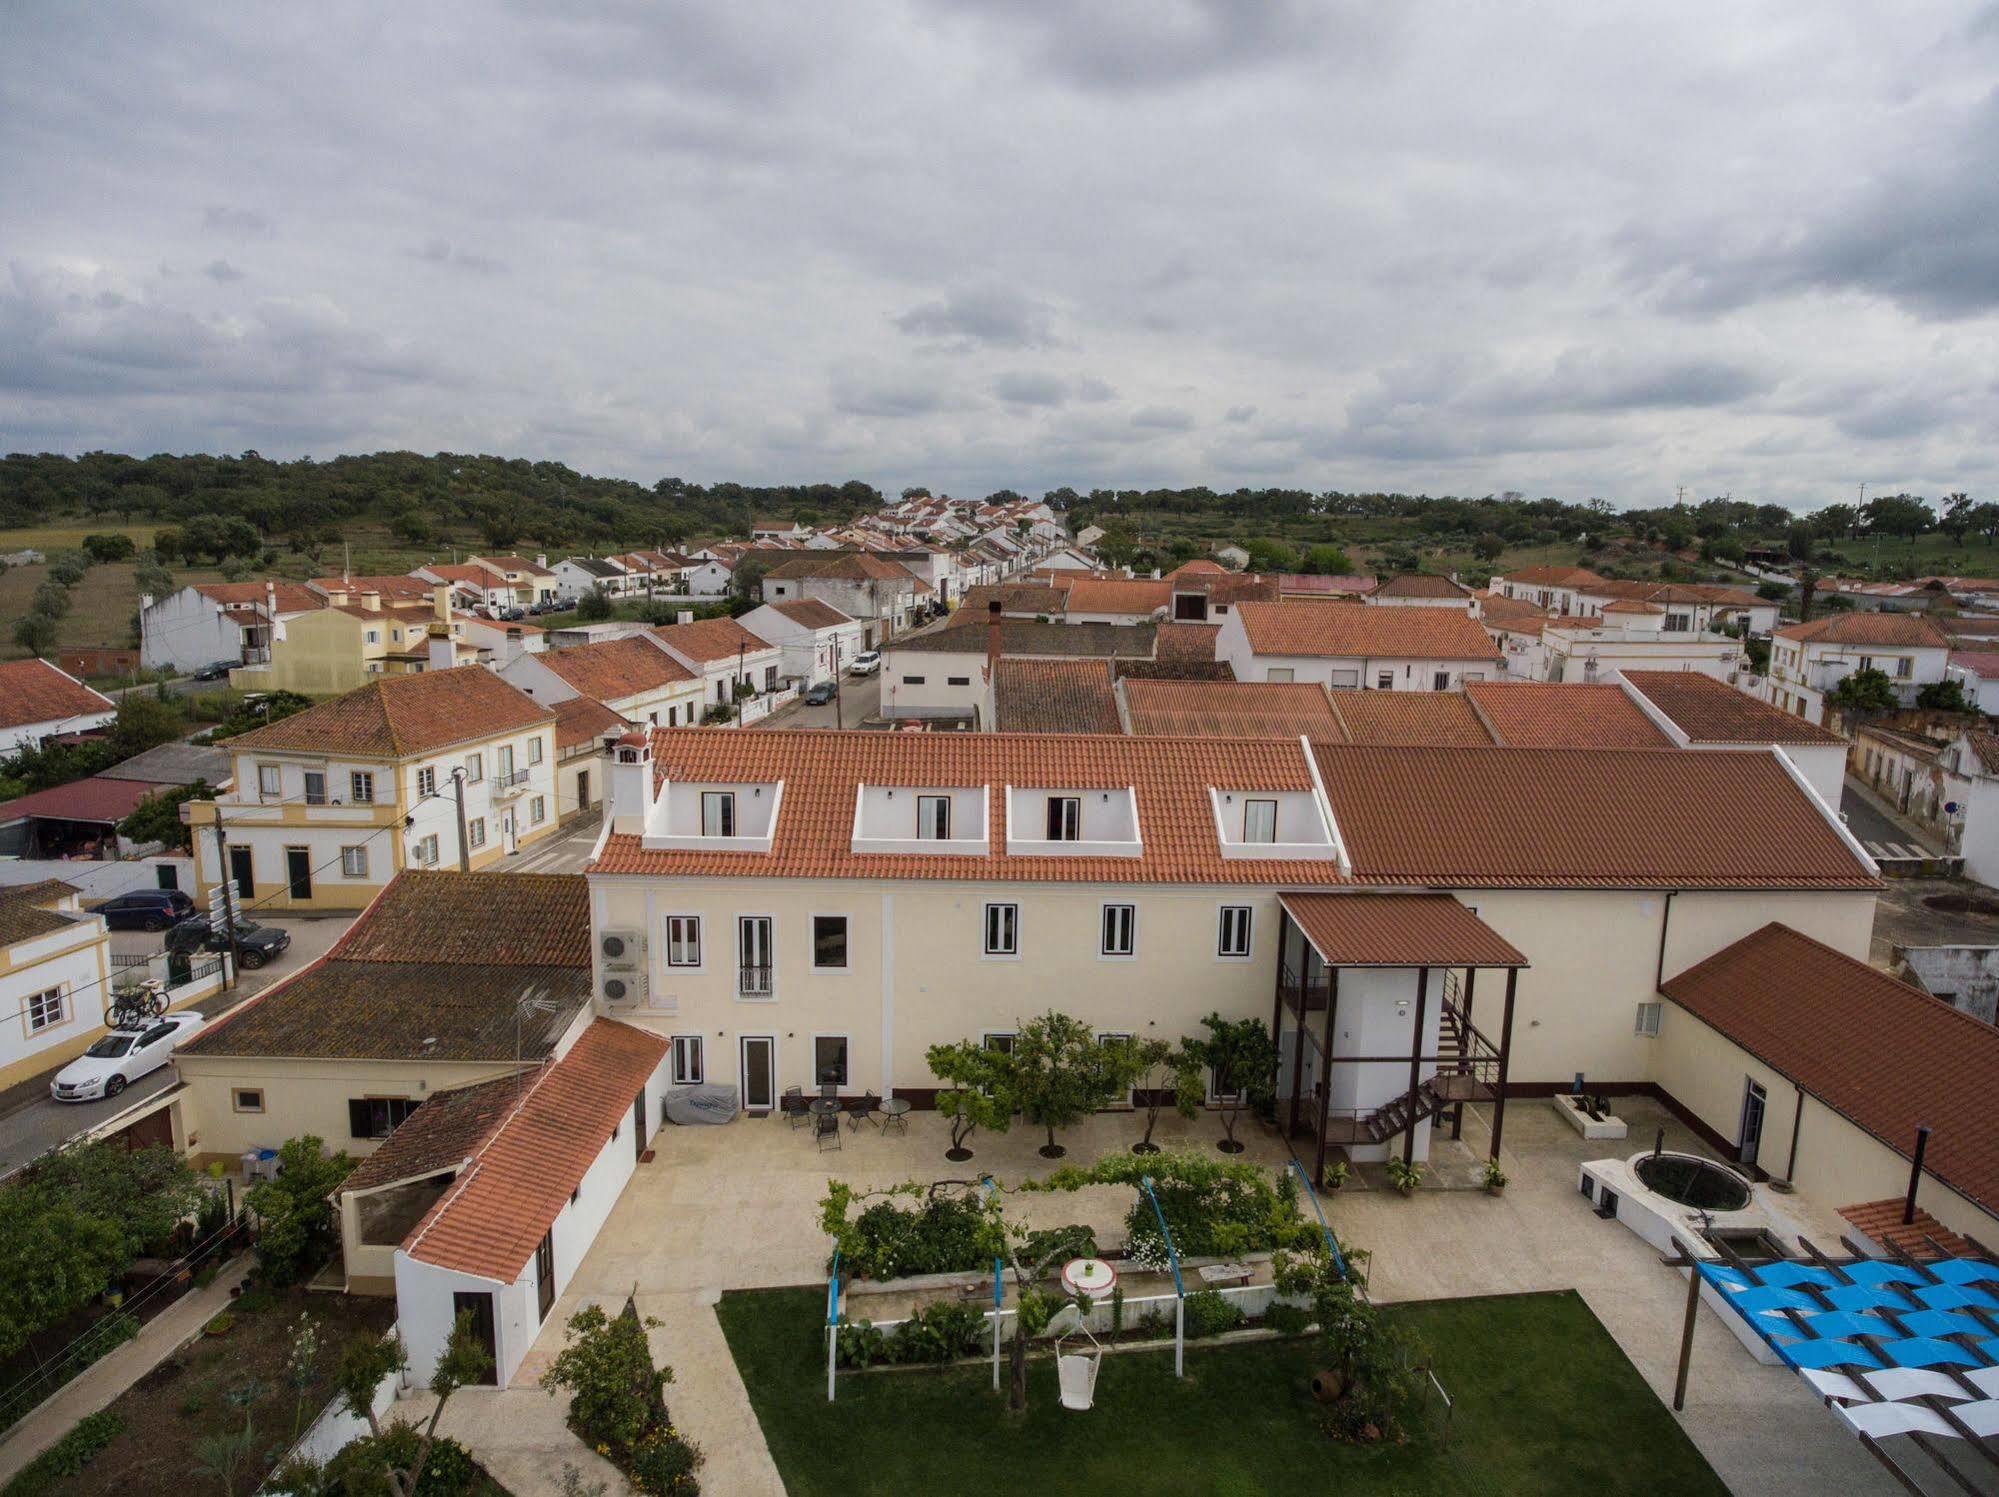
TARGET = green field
(101,607)
(1544,1402)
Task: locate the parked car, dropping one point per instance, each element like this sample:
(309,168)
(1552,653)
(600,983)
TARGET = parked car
(820,694)
(122,1057)
(867,663)
(146,909)
(256,944)
(215,670)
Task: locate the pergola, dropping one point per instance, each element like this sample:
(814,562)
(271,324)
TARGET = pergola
(1903,1350)
(1430,933)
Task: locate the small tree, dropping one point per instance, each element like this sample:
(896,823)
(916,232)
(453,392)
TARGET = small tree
(36,633)
(295,1218)
(978,1091)
(1489,546)
(1244,1059)
(1944,696)
(367,1362)
(157,817)
(1163,1073)
(1867,690)
(1060,1074)
(593,607)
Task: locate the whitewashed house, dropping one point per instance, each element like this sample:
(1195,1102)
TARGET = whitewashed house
(1810,659)
(1352,644)
(817,639)
(208,622)
(38,701)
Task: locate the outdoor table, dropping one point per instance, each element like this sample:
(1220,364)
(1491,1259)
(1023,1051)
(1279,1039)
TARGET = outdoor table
(821,1107)
(896,1110)
(1224,1273)
(1088,1276)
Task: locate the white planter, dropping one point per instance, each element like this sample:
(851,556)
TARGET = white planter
(1583,1123)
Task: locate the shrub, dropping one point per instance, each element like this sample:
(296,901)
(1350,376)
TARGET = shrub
(663,1465)
(859,1344)
(616,1394)
(296,1228)
(1078,1241)
(1209,1314)
(943,1235)
(1286,1320)
(63,1461)
(941,1332)
(1404,1175)
(359,1470)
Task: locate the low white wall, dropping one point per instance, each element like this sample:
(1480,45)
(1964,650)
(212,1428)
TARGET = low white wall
(101,880)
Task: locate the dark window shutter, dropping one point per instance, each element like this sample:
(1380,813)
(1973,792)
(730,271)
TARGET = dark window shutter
(360,1123)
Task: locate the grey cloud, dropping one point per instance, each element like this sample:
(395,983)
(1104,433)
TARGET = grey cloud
(891,396)
(440,251)
(1162,418)
(238,223)
(221,271)
(993,316)
(1240,413)
(1031,389)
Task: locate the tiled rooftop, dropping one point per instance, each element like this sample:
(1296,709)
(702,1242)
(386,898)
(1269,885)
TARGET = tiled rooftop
(1231,709)
(440,1135)
(33,691)
(1711,711)
(612,669)
(1857,628)
(1398,930)
(1408,719)
(584,720)
(1055,696)
(1340,630)
(474,920)
(396,716)
(709,640)
(1547,714)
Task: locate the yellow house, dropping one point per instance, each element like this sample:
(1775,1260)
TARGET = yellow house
(55,977)
(359,635)
(451,768)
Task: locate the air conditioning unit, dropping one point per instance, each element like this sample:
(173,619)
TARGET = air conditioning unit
(621,950)
(623,989)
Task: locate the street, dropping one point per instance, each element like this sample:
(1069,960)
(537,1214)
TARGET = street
(42,1123)
(860,697)
(566,852)
(1882,835)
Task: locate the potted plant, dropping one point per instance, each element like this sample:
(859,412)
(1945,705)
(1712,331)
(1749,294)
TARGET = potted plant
(1336,1174)
(1494,1177)
(1406,1175)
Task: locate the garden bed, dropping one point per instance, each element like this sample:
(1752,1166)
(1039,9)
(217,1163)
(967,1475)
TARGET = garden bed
(212,1385)
(1535,1378)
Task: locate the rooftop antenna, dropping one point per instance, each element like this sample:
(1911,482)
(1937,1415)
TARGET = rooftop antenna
(532,1000)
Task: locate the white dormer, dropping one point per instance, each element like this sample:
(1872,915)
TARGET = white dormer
(947,820)
(1096,822)
(714,816)
(1272,824)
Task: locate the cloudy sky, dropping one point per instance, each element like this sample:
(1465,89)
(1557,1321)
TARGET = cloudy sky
(1575,249)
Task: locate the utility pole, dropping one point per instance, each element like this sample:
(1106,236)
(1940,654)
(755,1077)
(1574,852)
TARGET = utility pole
(458,795)
(228,895)
(839,712)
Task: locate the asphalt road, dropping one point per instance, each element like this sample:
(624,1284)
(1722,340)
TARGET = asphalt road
(43,1123)
(1880,834)
(860,696)
(566,853)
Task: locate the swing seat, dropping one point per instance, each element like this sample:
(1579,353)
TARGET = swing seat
(1077,1374)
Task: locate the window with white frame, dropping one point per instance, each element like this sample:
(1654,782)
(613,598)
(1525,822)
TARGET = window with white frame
(683,940)
(534,751)
(374,636)
(426,781)
(1232,938)
(1065,818)
(475,832)
(687,1060)
(1002,930)
(933,818)
(361,788)
(1648,1019)
(270,781)
(1259,821)
(1000,1040)
(475,768)
(1279,673)
(1384,680)
(718,813)
(1120,928)
(503,762)
(425,850)
(829,1059)
(44,1010)
(354,862)
(829,942)
(753,956)
(537,810)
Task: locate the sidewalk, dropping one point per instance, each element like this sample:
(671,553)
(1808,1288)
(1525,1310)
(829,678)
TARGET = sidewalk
(101,1382)
(1873,819)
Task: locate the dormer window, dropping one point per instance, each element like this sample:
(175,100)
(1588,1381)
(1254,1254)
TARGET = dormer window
(1259,821)
(711,817)
(1065,818)
(1275,824)
(933,818)
(718,813)
(1069,822)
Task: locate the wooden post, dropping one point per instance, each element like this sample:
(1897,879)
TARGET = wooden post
(1471,1050)
(1687,1337)
(1416,1062)
(1505,1055)
(1325,1071)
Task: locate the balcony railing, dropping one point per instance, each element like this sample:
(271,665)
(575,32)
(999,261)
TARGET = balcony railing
(506,784)
(753,982)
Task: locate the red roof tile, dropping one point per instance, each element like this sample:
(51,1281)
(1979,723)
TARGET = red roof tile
(584,720)
(811,613)
(292,597)
(1882,1222)
(1903,629)
(1398,930)
(1711,711)
(1885,1055)
(1571,577)
(1135,596)
(711,639)
(396,716)
(1231,709)
(1408,719)
(489,1222)
(1177,640)
(1421,585)
(1549,714)
(1198,565)
(1359,631)
(1055,696)
(97,799)
(615,668)
(475,919)
(33,691)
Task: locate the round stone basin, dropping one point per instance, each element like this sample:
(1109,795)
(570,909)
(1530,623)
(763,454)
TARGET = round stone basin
(1693,1181)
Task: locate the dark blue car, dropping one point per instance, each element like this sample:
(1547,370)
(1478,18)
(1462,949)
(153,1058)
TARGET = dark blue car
(146,909)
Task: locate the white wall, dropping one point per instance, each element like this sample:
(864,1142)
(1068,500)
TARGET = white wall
(186,630)
(951,681)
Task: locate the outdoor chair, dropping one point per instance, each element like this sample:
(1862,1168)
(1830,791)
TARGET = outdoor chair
(829,1091)
(827,1126)
(868,1107)
(1075,1372)
(792,1104)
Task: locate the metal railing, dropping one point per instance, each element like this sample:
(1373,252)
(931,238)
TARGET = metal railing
(753,982)
(506,782)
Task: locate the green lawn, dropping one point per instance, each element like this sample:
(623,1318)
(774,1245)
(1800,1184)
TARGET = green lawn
(1546,1402)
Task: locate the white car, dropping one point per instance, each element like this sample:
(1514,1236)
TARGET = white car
(122,1057)
(867,663)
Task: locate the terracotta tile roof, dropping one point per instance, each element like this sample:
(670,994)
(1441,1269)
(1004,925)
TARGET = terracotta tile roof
(463,572)
(490,1221)
(1885,1055)
(1032,637)
(851,566)
(1315,585)
(97,799)
(1398,930)
(616,668)
(1231,709)
(1711,711)
(1973,626)
(1881,1221)
(396,716)
(584,720)
(1633,605)
(387,584)
(1570,577)
(1927,750)
(26,910)
(1055,696)
(475,920)
(1127,595)
(1357,631)
(33,691)
(820,770)
(1905,629)
(1409,719)
(514,564)
(1577,818)
(711,639)
(1177,640)
(1981,663)
(1198,565)
(811,613)
(1675,592)
(1985,746)
(1012,597)
(292,597)
(1421,585)
(1550,714)
(448,1129)
(1230,588)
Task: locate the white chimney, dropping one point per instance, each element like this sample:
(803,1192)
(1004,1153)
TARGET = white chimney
(630,783)
(541,559)
(443,653)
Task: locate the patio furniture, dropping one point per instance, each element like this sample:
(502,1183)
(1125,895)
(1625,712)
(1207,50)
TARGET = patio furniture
(1214,1275)
(1088,1277)
(792,1104)
(1076,1372)
(895,1114)
(867,1107)
(829,1089)
(826,1125)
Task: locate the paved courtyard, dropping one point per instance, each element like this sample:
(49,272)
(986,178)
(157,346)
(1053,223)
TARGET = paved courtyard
(736,1207)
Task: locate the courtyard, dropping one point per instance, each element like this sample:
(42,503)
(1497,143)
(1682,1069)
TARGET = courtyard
(736,1207)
